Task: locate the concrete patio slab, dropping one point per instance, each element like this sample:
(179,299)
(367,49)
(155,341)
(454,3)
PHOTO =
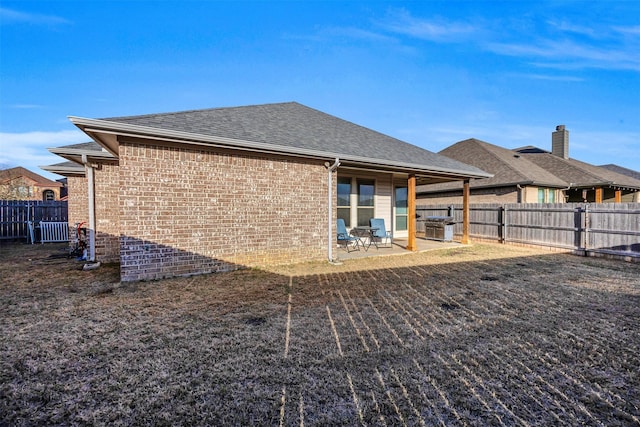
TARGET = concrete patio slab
(398,248)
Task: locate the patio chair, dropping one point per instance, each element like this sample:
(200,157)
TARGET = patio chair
(381,233)
(345,238)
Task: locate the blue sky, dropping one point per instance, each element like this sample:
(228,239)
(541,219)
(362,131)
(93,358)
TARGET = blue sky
(430,73)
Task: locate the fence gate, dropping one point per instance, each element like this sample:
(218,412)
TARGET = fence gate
(15,215)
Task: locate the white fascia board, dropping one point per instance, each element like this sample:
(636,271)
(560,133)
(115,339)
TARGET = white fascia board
(64,170)
(104,126)
(80,152)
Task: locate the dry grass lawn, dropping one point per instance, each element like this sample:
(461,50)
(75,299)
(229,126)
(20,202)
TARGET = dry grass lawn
(482,335)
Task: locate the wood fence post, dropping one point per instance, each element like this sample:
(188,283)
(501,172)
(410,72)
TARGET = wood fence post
(586,229)
(504,224)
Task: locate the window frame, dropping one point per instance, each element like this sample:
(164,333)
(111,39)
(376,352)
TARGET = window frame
(365,211)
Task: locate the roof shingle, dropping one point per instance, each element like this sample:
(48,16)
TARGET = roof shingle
(296,126)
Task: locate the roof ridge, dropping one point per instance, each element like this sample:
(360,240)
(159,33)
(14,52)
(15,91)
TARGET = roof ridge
(9,174)
(485,146)
(196,110)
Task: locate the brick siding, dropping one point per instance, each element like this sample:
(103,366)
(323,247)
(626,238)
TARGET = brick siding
(107,187)
(77,205)
(187,212)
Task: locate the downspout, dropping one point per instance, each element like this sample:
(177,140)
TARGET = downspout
(564,192)
(330,169)
(522,193)
(92,208)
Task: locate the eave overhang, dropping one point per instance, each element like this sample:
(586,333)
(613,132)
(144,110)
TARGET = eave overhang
(108,133)
(476,186)
(75,155)
(75,170)
(603,184)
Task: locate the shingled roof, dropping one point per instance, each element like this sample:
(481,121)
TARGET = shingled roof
(508,168)
(287,128)
(8,175)
(621,170)
(579,174)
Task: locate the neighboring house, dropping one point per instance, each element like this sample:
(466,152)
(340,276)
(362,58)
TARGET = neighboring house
(515,179)
(21,184)
(211,190)
(531,175)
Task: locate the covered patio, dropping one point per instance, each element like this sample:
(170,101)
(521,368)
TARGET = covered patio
(399,247)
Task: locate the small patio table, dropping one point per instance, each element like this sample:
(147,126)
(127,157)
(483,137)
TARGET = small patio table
(363,233)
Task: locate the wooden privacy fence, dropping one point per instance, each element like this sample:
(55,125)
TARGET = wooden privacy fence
(15,215)
(607,228)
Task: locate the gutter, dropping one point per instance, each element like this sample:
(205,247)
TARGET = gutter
(92,207)
(330,169)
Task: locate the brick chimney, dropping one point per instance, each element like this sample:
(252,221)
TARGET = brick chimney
(560,142)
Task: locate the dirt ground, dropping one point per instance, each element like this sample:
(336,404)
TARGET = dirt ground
(479,335)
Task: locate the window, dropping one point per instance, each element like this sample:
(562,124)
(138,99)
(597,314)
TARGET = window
(344,200)
(366,192)
(401,208)
(546,195)
(48,195)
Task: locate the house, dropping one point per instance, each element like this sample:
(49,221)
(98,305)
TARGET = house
(531,175)
(21,184)
(211,190)
(515,178)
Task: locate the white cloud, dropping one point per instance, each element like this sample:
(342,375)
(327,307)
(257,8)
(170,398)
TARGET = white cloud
(569,55)
(550,77)
(555,44)
(10,16)
(436,29)
(29,149)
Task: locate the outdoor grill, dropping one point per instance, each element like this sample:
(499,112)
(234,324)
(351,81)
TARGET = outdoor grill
(439,228)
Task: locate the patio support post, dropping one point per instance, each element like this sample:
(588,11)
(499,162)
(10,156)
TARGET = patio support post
(466,194)
(411,205)
(618,196)
(599,195)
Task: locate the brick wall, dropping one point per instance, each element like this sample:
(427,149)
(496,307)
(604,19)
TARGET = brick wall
(107,187)
(189,212)
(77,205)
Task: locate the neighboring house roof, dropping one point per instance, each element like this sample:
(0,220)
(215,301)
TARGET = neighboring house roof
(284,128)
(508,168)
(8,175)
(621,170)
(579,174)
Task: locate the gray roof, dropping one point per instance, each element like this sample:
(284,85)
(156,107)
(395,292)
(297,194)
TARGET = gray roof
(528,166)
(87,146)
(622,170)
(291,128)
(580,174)
(508,168)
(67,168)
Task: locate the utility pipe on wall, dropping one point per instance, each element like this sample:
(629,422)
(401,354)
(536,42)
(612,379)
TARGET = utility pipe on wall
(330,169)
(92,208)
